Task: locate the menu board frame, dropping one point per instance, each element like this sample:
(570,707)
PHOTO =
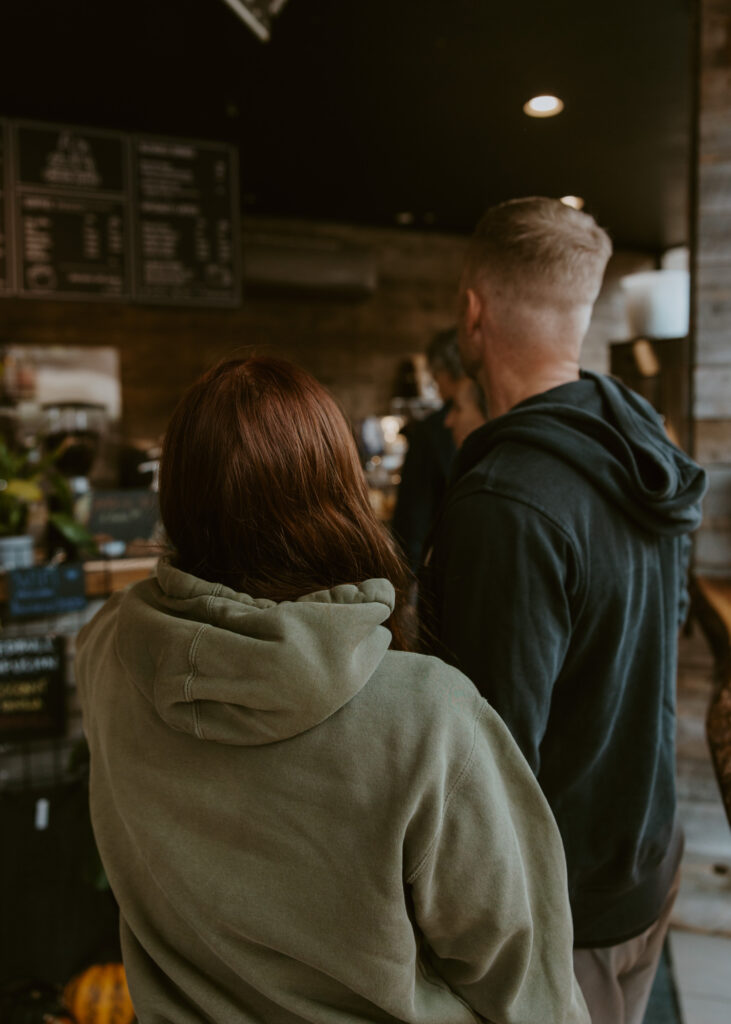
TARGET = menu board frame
(224,301)
(7,288)
(18,194)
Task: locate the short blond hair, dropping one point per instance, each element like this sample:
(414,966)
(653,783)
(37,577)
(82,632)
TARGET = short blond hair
(541,246)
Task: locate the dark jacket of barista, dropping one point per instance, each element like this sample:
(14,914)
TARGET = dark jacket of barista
(424,478)
(556,582)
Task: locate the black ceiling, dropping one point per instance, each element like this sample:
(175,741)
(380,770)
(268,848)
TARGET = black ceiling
(360,110)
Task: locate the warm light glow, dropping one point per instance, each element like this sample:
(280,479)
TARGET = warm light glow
(391,427)
(576,201)
(543,106)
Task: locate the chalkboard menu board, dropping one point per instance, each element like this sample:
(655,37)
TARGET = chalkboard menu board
(125,515)
(4,270)
(32,687)
(102,215)
(71,213)
(46,590)
(186,224)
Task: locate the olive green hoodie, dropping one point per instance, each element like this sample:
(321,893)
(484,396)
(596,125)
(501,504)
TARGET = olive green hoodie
(301,825)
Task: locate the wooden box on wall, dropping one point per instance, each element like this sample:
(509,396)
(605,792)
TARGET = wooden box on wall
(659,370)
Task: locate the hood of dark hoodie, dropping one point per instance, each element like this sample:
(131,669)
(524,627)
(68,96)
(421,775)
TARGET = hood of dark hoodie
(615,439)
(233,669)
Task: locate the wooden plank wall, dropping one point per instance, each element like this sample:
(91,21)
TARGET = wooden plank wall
(354,346)
(712,283)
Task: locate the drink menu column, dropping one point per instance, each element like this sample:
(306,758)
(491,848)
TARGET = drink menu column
(186,225)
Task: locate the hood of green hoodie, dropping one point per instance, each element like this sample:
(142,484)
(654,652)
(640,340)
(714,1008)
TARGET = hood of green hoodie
(615,438)
(233,669)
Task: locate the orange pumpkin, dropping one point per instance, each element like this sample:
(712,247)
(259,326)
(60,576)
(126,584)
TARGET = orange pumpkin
(99,995)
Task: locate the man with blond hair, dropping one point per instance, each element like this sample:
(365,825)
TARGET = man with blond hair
(556,582)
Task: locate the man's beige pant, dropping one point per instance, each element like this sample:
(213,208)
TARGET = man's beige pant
(616,980)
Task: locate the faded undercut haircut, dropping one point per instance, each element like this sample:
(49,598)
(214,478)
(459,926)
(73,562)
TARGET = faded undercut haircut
(539,246)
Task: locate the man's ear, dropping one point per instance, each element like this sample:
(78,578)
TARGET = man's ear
(472,310)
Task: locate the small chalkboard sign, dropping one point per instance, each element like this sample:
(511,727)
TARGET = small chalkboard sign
(32,687)
(124,515)
(46,590)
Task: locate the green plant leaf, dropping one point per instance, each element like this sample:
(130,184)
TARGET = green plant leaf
(73,532)
(24,490)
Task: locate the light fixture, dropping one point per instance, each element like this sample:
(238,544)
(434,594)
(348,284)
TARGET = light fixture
(543,106)
(257,14)
(574,201)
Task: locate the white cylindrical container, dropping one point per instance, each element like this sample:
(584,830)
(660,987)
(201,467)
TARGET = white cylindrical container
(16,552)
(657,303)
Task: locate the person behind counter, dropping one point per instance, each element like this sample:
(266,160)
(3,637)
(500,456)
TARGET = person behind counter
(468,410)
(425,471)
(299,820)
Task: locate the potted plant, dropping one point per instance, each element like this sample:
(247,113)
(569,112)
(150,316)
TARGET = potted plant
(33,491)
(20,490)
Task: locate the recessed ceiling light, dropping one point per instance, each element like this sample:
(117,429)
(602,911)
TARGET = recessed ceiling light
(576,201)
(543,106)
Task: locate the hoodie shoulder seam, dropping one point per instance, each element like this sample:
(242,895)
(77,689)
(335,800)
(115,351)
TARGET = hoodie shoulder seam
(465,770)
(487,489)
(188,684)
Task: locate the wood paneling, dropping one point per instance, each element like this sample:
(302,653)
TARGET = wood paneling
(712,283)
(713,441)
(713,392)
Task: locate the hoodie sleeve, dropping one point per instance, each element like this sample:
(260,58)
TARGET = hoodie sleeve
(502,613)
(489,893)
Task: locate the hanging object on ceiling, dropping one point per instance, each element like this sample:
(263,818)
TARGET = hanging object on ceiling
(257,14)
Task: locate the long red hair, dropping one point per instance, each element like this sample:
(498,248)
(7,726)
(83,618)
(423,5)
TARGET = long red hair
(261,488)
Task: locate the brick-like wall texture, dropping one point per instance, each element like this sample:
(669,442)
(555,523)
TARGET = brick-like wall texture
(355,346)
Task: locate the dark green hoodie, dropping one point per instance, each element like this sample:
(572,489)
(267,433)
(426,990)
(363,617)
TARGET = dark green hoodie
(556,583)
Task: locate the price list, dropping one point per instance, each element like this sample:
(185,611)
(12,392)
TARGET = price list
(186,235)
(93,214)
(72,213)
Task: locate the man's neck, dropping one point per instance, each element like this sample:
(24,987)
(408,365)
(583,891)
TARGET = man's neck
(506,386)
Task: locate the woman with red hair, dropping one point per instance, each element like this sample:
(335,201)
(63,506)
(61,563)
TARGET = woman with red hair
(301,821)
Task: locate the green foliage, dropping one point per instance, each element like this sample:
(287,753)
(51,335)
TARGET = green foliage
(76,535)
(26,477)
(18,470)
